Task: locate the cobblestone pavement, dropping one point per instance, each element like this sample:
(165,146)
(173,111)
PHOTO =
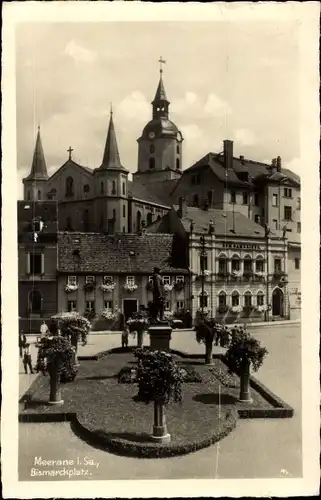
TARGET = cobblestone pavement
(255,449)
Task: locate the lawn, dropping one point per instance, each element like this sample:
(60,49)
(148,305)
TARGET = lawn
(108,411)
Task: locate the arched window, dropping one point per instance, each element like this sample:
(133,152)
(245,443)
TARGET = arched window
(28,195)
(222,265)
(124,210)
(235,298)
(259,264)
(114,214)
(101,188)
(86,189)
(222,299)
(35,302)
(113,190)
(235,263)
(69,224)
(39,194)
(260,298)
(177,164)
(247,299)
(69,186)
(152,149)
(149,218)
(151,163)
(86,221)
(177,149)
(248,264)
(138,220)
(52,194)
(124,188)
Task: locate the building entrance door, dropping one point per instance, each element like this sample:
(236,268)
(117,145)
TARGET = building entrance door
(277,302)
(130,306)
(35,300)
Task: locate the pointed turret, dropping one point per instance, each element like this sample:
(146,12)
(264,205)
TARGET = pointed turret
(39,167)
(160,92)
(160,102)
(111,158)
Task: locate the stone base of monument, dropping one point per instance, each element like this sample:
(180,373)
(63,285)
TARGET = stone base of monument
(162,439)
(160,434)
(160,336)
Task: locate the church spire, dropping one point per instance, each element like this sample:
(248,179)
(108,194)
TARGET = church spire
(160,102)
(111,158)
(38,167)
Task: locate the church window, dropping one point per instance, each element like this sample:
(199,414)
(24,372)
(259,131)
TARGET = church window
(152,149)
(39,194)
(86,221)
(101,188)
(235,298)
(151,163)
(86,188)
(195,200)
(222,299)
(247,299)
(177,164)
(69,186)
(124,210)
(114,214)
(124,188)
(149,218)
(177,149)
(113,191)
(260,298)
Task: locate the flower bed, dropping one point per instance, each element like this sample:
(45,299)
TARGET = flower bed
(127,375)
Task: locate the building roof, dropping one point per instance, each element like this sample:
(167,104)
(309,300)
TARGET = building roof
(160,126)
(160,92)
(144,193)
(255,169)
(38,167)
(111,158)
(120,253)
(223,223)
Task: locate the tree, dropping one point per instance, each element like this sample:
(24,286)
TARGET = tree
(73,327)
(159,380)
(243,353)
(207,331)
(139,323)
(55,355)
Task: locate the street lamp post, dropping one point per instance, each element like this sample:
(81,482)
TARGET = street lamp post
(202,241)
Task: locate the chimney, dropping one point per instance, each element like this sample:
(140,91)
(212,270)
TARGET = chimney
(228,154)
(278,164)
(182,208)
(273,163)
(242,159)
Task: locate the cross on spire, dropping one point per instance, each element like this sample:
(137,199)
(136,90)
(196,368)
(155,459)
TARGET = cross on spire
(111,109)
(70,150)
(161,62)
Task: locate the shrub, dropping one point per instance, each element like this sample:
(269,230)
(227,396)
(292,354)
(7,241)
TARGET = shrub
(138,322)
(207,330)
(244,348)
(56,351)
(74,327)
(159,377)
(128,375)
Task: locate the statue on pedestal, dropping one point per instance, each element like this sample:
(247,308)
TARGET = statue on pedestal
(157,306)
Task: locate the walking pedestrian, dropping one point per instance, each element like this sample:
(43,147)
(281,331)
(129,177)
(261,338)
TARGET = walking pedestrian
(22,343)
(124,336)
(27,362)
(43,329)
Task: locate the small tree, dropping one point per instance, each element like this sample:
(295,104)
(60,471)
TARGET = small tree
(139,323)
(55,356)
(159,380)
(243,352)
(207,331)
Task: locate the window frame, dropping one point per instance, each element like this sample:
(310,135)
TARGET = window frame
(107,279)
(298,227)
(248,302)
(277,268)
(245,195)
(72,281)
(222,294)
(235,295)
(288,213)
(91,309)
(166,280)
(90,279)
(130,280)
(275,200)
(106,306)
(238,260)
(260,298)
(297,263)
(167,305)
(71,302)
(180,304)
(32,263)
(179,279)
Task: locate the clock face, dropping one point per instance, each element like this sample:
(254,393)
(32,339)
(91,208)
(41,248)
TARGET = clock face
(151,135)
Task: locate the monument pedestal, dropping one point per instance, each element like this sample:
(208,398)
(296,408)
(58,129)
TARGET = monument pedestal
(160,433)
(160,336)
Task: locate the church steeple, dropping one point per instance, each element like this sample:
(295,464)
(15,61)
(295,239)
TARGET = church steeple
(38,167)
(160,102)
(111,158)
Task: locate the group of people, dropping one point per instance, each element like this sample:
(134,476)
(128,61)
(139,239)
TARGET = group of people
(24,348)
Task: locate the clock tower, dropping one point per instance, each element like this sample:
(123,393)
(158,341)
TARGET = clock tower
(160,145)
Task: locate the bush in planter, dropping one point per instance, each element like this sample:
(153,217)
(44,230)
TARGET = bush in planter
(179,286)
(138,322)
(74,327)
(207,331)
(90,286)
(56,357)
(222,309)
(243,353)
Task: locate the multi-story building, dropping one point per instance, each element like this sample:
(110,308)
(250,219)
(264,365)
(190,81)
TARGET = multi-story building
(37,262)
(238,268)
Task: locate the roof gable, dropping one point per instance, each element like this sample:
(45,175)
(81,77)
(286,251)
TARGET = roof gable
(71,164)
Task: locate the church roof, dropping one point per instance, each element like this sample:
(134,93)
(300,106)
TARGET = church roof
(120,253)
(142,192)
(38,167)
(111,158)
(160,126)
(160,92)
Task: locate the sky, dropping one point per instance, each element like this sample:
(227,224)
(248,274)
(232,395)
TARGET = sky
(225,80)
